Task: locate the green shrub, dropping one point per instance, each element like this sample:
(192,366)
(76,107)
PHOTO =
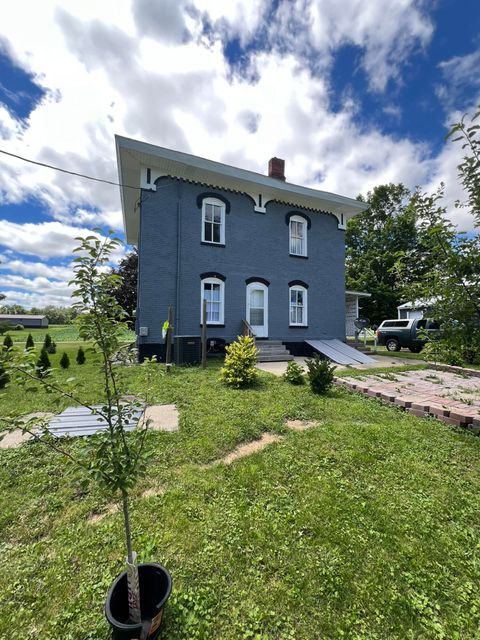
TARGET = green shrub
(65,360)
(7,342)
(43,364)
(239,369)
(29,344)
(19,327)
(294,373)
(320,374)
(80,356)
(440,351)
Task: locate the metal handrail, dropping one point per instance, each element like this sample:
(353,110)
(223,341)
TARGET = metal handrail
(247,329)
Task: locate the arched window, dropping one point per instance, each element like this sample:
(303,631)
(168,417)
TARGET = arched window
(213,291)
(213,221)
(298,236)
(298,306)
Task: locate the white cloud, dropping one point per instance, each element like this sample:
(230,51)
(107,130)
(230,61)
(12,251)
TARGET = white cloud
(45,239)
(460,72)
(27,268)
(387,34)
(30,299)
(92,219)
(39,284)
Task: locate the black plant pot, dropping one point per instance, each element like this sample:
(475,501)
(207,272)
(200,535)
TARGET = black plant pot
(155,589)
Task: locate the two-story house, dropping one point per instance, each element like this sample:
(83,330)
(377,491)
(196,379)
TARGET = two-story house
(255,247)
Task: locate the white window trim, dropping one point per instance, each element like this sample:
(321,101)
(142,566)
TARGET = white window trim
(220,204)
(263,286)
(305,229)
(222,299)
(298,287)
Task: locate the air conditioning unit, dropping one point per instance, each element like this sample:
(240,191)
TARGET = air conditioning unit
(187,349)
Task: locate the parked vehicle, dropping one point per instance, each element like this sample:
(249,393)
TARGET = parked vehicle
(395,334)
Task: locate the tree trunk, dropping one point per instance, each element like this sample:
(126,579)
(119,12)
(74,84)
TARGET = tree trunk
(133,584)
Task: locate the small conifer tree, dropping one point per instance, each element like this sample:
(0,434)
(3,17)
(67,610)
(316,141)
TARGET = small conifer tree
(65,360)
(80,356)
(4,378)
(7,342)
(43,363)
(48,341)
(52,348)
(29,344)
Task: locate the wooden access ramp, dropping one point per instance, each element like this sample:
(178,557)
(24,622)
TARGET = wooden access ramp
(340,352)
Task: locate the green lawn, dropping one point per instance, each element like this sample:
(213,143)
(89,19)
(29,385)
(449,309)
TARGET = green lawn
(364,527)
(58,332)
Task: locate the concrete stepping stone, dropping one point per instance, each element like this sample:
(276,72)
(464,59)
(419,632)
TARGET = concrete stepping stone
(16,438)
(162,417)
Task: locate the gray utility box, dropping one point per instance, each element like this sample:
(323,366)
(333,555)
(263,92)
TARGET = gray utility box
(187,349)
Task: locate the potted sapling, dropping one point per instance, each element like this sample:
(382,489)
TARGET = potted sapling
(117,455)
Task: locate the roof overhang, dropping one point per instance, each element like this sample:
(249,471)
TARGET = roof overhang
(358,294)
(134,158)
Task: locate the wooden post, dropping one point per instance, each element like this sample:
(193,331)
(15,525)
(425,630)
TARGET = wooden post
(168,349)
(204,334)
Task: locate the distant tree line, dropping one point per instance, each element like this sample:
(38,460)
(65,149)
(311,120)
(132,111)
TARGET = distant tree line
(55,315)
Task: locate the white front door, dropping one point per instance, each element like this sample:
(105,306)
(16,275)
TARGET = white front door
(257,308)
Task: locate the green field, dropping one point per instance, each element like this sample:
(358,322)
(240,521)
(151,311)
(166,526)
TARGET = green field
(58,332)
(364,527)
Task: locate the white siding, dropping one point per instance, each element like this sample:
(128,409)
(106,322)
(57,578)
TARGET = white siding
(351,314)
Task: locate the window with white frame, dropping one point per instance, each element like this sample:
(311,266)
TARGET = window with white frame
(213,291)
(298,236)
(213,221)
(298,305)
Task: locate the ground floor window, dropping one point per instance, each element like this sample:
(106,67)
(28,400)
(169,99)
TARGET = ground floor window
(298,305)
(213,290)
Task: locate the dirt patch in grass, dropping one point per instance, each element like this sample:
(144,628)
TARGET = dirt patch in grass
(300,425)
(153,492)
(249,448)
(111,509)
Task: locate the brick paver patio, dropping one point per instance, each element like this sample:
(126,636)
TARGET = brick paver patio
(451,397)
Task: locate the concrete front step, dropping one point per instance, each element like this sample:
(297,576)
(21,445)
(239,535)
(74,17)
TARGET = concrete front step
(261,343)
(268,354)
(275,358)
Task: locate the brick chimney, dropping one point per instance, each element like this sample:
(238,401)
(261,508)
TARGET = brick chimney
(276,168)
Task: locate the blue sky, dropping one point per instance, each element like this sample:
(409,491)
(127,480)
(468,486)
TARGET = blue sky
(351,94)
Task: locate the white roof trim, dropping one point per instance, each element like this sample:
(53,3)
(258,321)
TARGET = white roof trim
(416,304)
(134,157)
(359,294)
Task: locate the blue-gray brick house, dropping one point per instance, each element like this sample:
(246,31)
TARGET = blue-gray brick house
(256,247)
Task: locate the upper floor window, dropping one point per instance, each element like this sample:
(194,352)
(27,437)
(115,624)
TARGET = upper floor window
(213,291)
(213,221)
(298,305)
(298,236)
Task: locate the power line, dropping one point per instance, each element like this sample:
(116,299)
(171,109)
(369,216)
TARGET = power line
(72,173)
